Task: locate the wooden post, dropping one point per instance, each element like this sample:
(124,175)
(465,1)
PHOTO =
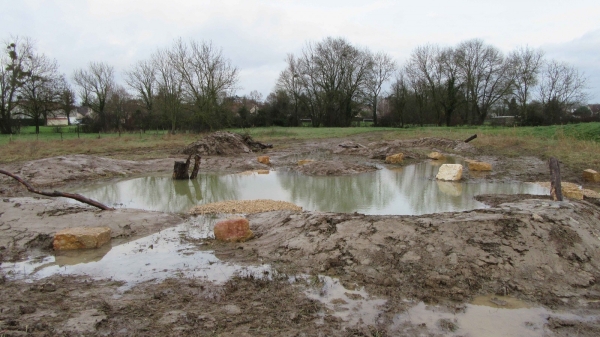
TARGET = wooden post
(196,167)
(471,138)
(555,187)
(180,170)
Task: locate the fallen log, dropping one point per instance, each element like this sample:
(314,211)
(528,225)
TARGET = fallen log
(74,196)
(471,138)
(555,184)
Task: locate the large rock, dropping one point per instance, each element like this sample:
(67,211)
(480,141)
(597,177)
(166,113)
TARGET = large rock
(264,160)
(81,238)
(436,156)
(451,172)
(478,165)
(233,230)
(395,158)
(571,191)
(591,175)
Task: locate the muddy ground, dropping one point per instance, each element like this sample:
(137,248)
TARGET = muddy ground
(542,252)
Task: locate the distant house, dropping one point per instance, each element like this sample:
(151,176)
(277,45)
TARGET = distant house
(58,117)
(595,109)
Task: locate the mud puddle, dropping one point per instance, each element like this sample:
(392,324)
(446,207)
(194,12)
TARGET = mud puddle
(409,190)
(170,253)
(484,316)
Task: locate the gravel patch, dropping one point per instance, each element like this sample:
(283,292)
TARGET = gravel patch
(245,207)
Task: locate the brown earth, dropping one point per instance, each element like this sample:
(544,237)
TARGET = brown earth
(540,251)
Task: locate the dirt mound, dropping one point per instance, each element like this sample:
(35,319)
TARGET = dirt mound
(334,168)
(379,150)
(535,249)
(224,143)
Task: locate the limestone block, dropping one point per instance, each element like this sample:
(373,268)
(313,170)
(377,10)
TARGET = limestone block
(305,161)
(436,156)
(452,172)
(571,191)
(81,238)
(395,158)
(479,165)
(233,230)
(591,175)
(264,160)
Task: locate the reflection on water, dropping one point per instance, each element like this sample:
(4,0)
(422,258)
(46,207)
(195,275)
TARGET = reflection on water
(158,256)
(412,190)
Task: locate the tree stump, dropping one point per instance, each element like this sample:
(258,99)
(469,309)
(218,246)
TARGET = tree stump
(196,167)
(555,187)
(180,170)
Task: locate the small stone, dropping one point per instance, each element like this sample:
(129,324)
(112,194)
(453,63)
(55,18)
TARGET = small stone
(395,158)
(453,258)
(452,172)
(305,161)
(436,156)
(263,171)
(264,160)
(479,166)
(410,257)
(232,309)
(81,238)
(233,230)
(591,176)
(537,217)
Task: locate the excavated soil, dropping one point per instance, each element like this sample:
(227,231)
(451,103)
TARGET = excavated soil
(542,252)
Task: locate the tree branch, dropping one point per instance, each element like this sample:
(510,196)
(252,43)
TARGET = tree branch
(77,197)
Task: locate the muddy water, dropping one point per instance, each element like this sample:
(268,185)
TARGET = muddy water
(410,190)
(169,253)
(485,316)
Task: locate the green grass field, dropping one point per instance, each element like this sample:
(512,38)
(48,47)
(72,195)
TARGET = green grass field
(577,145)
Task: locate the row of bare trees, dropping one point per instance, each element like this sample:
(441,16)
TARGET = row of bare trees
(332,81)
(188,85)
(466,83)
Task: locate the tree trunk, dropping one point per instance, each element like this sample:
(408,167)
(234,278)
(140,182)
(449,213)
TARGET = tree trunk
(180,171)
(196,167)
(555,184)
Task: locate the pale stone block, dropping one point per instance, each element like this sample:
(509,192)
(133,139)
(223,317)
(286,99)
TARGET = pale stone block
(305,161)
(591,176)
(264,160)
(81,238)
(436,156)
(451,172)
(395,158)
(479,166)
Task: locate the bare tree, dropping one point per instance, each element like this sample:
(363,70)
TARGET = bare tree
(383,67)
(95,84)
(526,64)
(41,88)
(169,88)
(207,76)
(142,80)
(486,76)
(562,83)
(290,81)
(67,98)
(12,77)
(399,97)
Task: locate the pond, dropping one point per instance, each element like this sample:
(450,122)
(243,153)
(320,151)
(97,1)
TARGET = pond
(408,190)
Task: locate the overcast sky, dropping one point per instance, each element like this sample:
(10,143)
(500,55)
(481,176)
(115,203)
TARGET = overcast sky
(257,35)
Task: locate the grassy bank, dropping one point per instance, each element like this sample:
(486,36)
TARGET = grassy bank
(577,146)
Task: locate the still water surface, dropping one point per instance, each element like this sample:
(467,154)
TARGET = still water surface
(409,190)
